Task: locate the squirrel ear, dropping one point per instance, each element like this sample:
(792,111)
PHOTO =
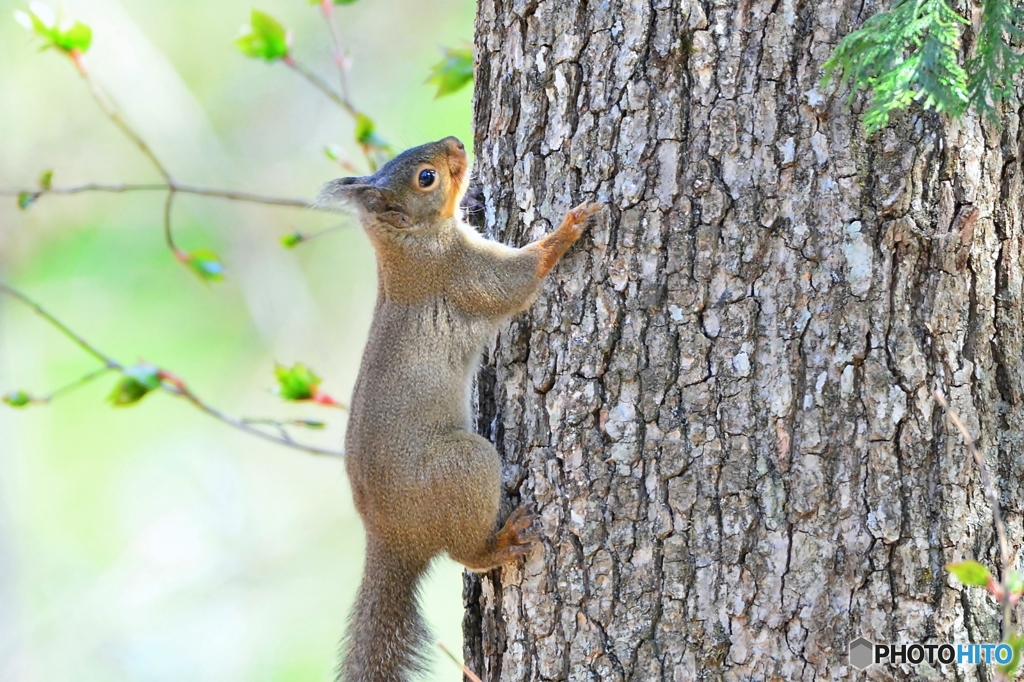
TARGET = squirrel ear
(369,199)
(356,190)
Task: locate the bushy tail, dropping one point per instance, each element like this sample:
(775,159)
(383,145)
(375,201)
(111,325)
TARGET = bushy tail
(386,639)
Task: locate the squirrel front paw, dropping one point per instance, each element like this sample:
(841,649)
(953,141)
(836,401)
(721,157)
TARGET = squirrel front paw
(576,219)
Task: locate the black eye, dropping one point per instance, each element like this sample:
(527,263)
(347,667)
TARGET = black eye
(428,176)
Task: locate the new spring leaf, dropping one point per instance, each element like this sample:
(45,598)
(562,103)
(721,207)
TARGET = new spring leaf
(26,199)
(63,34)
(204,263)
(264,38)
(970,573)
(366,134)
(453,72)
(17,399)
(136,382)
(297,382)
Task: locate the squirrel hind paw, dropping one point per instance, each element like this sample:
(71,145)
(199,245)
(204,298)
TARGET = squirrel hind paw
(518,531)
(512,543)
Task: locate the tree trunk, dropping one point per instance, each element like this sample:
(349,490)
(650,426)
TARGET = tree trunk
(721,405)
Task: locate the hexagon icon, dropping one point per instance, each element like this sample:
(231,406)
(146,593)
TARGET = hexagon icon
(861,653)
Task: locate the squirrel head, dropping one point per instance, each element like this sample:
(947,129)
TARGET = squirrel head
(416,188)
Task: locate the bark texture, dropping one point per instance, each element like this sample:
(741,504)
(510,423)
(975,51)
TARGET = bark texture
(721,405)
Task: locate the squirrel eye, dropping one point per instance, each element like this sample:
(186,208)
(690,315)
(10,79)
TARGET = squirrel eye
(427,177)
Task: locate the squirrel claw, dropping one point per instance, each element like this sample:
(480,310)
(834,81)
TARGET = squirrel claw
(517,533)
(521,521)
(582,212)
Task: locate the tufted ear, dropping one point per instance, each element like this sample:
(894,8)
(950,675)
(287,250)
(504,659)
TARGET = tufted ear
(357,190)
(368,199)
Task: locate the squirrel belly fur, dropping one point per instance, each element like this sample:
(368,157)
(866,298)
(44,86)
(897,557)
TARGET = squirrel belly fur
(422,481)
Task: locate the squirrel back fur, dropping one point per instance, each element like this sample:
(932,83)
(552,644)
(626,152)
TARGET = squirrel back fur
(422,482)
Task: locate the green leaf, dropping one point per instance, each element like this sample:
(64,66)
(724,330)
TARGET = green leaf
(907,54)
(311,423)
(366,135)
(78,37)
(135,383)
(26,199)
(1009,670)
(296,383)
(204,263)
(970,573)
(65,35)
(17,399)
(264,38)
(995,61)
(293,239)
(46,179)
(453,72)
(364,128)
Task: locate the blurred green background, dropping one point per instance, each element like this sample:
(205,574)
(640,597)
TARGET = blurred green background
(152,542)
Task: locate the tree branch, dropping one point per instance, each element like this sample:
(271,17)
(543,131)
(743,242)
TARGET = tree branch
(168,382)
(327,10)
(199,190)
(108,108)
(107,361)
(183,391)
(317,82)
(470,675)
(77,383)
(167,225)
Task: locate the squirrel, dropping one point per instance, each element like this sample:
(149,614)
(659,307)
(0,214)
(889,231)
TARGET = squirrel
(422,481)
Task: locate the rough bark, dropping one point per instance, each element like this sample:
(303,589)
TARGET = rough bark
(721,406)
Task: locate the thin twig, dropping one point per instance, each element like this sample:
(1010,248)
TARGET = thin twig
(327,10)
(993,501)
(282,426)
(465,671)
(168,384)
(184,392)
(279,426)
(110,110)
(167,224)
(232,195)
(302,237)
(287,422)
(37,192)
(323,87)
(243,196)
(107,361)
(78,383)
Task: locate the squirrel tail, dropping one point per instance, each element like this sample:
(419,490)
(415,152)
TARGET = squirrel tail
(386,640)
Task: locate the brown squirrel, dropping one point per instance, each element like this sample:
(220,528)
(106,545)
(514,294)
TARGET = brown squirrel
(422,481)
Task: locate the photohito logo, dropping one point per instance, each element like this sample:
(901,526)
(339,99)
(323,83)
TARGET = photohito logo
(863,652)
